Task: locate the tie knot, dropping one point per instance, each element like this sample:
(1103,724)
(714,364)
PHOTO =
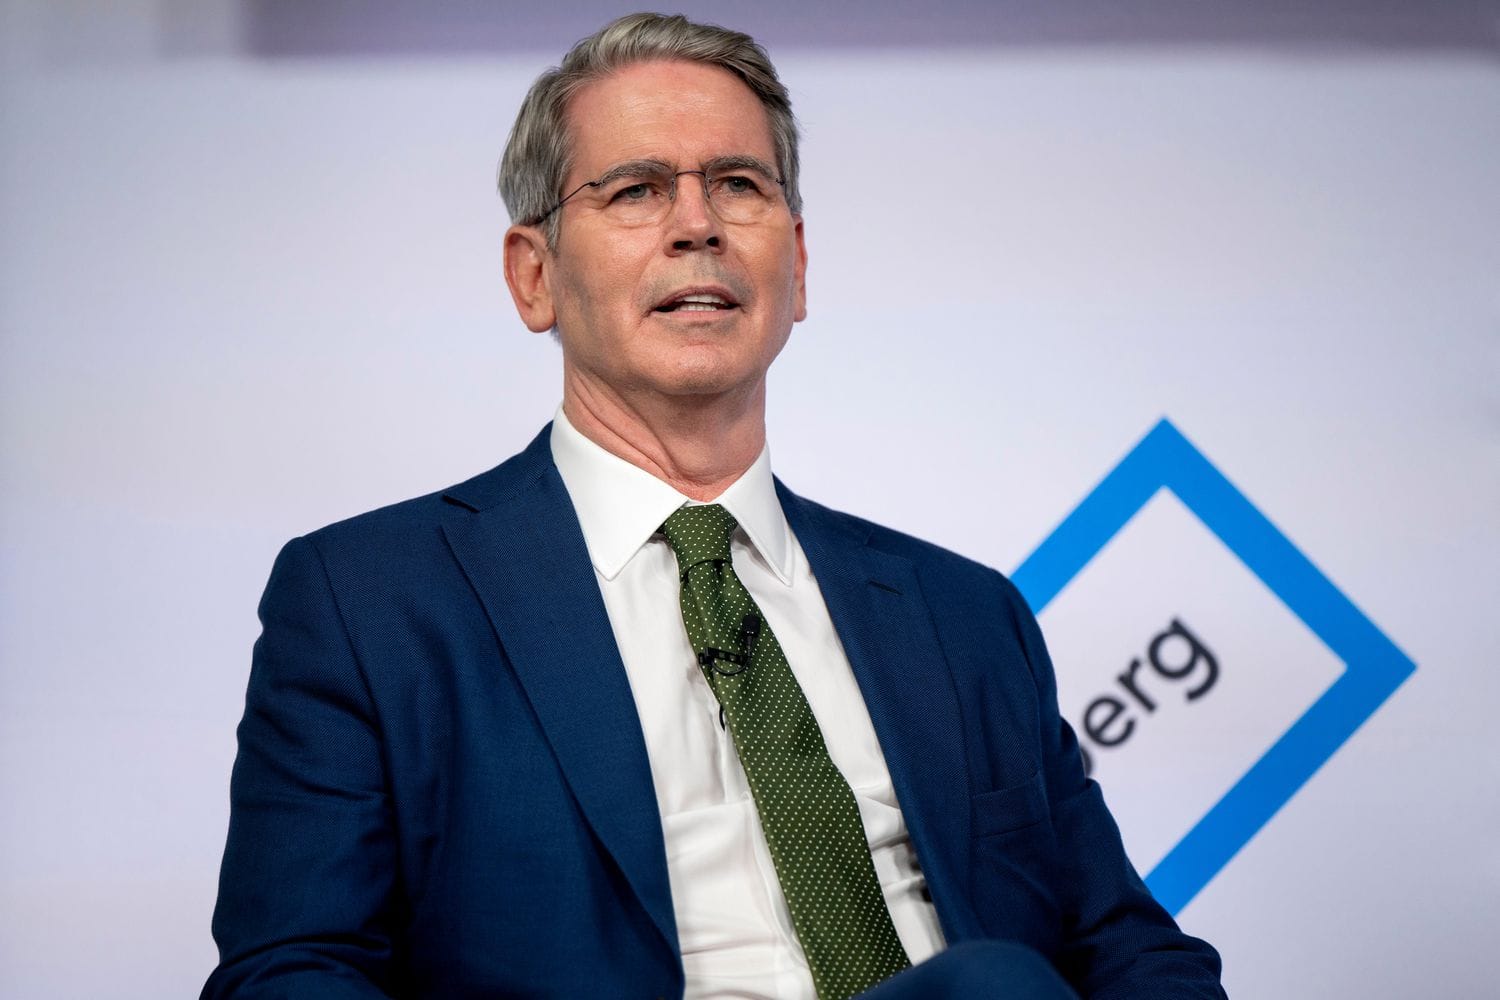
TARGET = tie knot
(699,534)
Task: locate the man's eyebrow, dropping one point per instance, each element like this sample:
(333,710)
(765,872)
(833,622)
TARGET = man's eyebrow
(716,165)
(634,168)
(720,164)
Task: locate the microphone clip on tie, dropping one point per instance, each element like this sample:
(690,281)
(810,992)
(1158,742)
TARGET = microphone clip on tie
(711,658)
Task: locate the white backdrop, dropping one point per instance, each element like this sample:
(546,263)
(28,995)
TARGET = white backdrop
(242,296)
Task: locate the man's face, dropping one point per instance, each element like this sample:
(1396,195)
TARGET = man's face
(614,290)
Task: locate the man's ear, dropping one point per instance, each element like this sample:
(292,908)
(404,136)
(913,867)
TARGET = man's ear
(526,262)
(800,275)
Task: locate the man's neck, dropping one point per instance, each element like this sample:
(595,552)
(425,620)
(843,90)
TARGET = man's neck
(699,446)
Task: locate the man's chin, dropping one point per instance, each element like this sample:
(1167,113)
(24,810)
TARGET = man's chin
(706,386)
(715,368)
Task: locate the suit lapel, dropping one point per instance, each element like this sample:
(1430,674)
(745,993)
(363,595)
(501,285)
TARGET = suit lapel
(524,553)
(883,621)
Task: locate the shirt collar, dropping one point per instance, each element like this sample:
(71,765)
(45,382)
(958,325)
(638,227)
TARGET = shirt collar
(620,506)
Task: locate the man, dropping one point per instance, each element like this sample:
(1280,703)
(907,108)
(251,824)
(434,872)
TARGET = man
(624,716)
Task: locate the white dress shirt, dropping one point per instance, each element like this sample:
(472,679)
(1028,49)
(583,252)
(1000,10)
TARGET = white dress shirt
(732,921)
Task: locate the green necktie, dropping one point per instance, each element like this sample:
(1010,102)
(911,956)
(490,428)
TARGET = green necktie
(808,813)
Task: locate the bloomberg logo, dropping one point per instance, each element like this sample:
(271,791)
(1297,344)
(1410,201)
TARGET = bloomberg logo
(1209,667)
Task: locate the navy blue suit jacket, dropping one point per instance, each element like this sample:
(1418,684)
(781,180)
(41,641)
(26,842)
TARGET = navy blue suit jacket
(442,788)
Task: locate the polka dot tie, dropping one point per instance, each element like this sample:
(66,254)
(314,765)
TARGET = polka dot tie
(808,813)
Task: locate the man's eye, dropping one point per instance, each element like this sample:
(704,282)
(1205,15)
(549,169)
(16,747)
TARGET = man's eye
(737,184)
(637,191)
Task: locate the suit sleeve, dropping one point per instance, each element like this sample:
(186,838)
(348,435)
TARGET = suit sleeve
(1120,943)
(307,892)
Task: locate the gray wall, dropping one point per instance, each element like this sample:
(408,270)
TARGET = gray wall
(250,283)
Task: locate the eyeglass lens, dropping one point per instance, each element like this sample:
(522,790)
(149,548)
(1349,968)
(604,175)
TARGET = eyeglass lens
(641,196)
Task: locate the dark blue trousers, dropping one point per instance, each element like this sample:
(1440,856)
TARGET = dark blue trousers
(977,970)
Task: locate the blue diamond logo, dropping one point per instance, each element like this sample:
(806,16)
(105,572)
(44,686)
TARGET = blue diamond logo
(1373,666)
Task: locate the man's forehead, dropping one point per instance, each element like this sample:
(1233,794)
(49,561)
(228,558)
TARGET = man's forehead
(638,109)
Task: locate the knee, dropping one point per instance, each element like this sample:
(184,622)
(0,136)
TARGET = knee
(973,970)
(993,966)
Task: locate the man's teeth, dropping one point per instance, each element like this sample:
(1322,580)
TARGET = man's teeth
(699,303)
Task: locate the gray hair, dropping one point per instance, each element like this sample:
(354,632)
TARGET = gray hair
(538,155)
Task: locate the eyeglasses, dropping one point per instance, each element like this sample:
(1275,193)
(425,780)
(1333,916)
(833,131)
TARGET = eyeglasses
(740,190)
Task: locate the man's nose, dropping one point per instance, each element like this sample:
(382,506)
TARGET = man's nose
(692,223)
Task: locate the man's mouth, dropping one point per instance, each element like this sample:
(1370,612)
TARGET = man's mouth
(697,302)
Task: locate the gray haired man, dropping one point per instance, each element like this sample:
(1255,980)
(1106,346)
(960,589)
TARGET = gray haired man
(624,716)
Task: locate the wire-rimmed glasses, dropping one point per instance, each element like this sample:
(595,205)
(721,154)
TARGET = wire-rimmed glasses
(741,190)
